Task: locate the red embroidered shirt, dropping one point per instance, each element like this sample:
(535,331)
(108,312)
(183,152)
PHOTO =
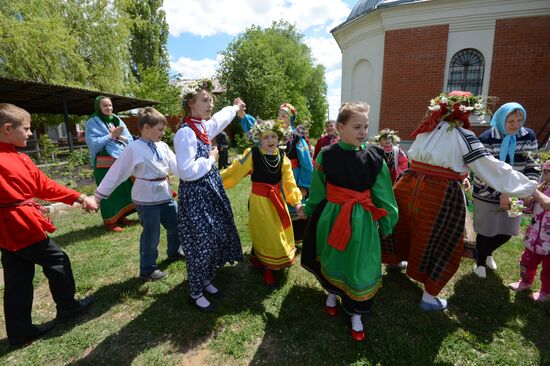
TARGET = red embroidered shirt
(21,180)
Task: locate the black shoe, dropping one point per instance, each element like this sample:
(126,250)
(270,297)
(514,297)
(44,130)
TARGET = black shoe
(179,256)
(208,309)
(84,304)
(38,331)
(156,275)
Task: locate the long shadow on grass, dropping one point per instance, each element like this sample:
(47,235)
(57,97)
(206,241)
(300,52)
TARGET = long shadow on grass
(169,319)
(105,298)
(536,319)
(397,332)
(482,306)
(86,233)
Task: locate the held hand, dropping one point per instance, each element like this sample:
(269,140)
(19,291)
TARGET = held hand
(304,192)
(242,106)
(543,200)
(214,152)
(300,211)
(466,184)
(90,204)
(505,201)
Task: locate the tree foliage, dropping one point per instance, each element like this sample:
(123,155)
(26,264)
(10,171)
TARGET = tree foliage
(73,42)
(267,67)
(155,85)
(148,37)
(114,46)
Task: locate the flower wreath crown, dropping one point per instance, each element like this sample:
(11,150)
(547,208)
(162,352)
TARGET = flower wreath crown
(193,88)
(386,133)
(262,127)
(454,108)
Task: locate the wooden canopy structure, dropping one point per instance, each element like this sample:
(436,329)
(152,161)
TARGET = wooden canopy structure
(37,97)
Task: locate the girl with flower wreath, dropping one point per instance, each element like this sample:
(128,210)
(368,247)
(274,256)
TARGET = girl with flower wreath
(297,150)
(205,220)
(351,205)
(508,141)
(537,246)
(396,159)
(268,220)
(430,197)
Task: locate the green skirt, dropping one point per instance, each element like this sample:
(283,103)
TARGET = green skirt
(119,204)
(357,270)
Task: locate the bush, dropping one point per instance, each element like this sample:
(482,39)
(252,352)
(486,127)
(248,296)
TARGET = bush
(168,136)
(241,143)
(48,149)
(79,157)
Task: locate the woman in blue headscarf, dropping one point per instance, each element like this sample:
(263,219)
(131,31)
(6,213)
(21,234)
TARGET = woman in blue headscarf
(510,142)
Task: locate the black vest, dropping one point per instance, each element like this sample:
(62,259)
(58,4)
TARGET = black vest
(352,169)
(263,174)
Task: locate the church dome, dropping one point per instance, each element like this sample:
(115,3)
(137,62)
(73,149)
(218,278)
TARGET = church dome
(367,6)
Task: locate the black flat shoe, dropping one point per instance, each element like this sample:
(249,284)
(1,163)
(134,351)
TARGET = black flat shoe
(208,309)
(38,331)
(84,304)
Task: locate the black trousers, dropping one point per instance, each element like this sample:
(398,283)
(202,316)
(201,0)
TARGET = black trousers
(485,245)
(18,287)
(223,158)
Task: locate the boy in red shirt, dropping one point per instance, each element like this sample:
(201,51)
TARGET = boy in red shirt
(23,226)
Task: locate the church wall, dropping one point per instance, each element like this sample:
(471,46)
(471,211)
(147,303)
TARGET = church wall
(521,67)
(414,68)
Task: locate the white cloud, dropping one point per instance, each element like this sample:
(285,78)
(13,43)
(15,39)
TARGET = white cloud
(195,69)
(326,51)
(207,18)
(333,77)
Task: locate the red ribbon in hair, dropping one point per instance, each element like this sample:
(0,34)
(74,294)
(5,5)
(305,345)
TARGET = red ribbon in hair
(194,124)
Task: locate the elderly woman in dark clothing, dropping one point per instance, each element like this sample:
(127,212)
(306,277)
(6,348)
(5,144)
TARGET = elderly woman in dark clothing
(512,143)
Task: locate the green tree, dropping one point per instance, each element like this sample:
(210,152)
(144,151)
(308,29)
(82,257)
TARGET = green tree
(73,42)
(148,37)
(155,85)
(267,67)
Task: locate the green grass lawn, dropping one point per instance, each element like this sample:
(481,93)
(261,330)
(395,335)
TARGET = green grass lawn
(150,323)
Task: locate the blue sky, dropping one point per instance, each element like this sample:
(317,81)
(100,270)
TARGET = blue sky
(200,29)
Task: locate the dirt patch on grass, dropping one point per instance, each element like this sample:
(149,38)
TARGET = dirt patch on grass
(197,357)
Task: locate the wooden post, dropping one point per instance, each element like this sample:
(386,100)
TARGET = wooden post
(66,118)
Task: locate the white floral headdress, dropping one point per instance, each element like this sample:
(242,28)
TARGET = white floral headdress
(386,133)
(192,88)
(262,127)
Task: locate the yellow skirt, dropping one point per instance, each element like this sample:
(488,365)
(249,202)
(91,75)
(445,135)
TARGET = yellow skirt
(273,246)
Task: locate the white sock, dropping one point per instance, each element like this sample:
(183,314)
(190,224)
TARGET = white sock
(356,323)
(201,301)
(331,300)
(210,288)
(426,297)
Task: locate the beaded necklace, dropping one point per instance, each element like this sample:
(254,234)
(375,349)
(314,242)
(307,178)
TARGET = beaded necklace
(271,167)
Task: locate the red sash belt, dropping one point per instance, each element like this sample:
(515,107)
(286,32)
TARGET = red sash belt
(30,202)
(273,192)
(341,231)
(295,163)
(436,171)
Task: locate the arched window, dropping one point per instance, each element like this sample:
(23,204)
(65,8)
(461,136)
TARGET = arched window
(466,71)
